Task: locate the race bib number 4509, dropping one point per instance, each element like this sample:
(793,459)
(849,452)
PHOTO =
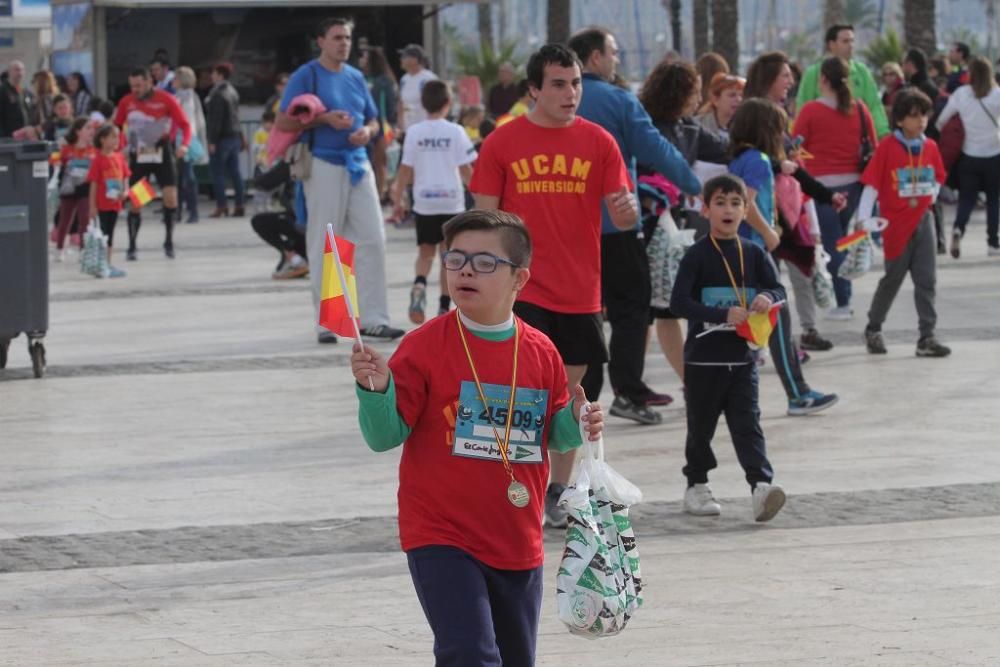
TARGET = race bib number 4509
(474,436)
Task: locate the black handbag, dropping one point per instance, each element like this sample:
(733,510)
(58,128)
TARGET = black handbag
(866,149)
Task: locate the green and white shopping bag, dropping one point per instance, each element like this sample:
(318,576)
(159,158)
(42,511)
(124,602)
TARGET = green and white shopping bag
(598,586)
(94,255)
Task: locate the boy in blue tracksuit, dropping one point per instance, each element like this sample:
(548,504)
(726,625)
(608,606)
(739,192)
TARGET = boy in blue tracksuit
(624,266)
(722,279)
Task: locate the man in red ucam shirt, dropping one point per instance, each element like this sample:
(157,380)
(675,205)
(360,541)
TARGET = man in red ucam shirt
(553,169)
(150,119)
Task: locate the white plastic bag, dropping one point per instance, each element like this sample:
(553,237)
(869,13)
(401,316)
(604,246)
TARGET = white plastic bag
(665,251)
(859,257)
(598,586)
(822,281)
(94,256)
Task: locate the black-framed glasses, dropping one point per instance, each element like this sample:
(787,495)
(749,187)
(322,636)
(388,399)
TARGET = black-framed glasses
(482,262)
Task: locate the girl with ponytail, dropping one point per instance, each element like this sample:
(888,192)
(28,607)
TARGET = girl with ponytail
(838,132)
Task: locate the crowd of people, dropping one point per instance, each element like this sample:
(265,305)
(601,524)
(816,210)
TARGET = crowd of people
(547,207)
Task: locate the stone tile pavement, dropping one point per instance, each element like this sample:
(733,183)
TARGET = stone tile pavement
(187,486)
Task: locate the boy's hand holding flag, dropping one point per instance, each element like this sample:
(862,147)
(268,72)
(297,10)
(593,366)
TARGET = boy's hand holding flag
(760,322)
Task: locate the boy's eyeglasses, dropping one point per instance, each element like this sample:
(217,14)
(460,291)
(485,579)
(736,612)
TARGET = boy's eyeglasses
(482,262)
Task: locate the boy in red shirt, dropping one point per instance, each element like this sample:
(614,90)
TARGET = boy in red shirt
(108,178)
(479,398)
(553,169)
(905,175)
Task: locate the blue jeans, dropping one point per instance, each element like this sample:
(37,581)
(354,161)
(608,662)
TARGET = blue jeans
(832,226)
(975,175)
(226,161)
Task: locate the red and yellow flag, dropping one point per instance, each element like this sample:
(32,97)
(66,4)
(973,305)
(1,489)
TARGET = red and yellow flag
(334,313)
(141,193)
(845,242)
(757,328)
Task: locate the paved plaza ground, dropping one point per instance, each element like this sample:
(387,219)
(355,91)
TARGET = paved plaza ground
(188,486)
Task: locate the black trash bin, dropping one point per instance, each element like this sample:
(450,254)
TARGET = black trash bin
(24,266)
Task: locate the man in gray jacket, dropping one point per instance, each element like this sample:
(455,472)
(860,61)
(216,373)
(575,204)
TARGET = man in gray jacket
(225,141)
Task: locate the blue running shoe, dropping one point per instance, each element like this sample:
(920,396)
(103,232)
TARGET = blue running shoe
(809,403)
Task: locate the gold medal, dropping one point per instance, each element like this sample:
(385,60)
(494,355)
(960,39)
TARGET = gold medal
(517,494)
(913,202)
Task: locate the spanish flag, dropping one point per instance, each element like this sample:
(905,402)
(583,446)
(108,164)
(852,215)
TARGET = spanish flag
(334,312)
(141,194)
(757,327)
(387,132)
(845,242)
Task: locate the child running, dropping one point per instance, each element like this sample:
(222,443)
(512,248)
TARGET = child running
(905,175)
(756,135)
(437,160)
(74,192)
(478,397)
(108,178)
(722,279)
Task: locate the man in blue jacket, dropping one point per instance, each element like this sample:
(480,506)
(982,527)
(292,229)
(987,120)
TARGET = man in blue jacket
(624,267)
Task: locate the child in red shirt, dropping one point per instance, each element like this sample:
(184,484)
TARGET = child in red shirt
(479,397)
(108,180)
(905,175)
(74,193)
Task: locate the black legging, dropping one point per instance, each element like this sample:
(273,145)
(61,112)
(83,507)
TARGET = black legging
(278,230)
(975,175)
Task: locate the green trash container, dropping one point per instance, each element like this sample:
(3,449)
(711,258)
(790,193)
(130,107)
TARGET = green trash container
(24,265)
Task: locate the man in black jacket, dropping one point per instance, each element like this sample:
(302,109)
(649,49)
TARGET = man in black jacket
(225,141)
(14,100)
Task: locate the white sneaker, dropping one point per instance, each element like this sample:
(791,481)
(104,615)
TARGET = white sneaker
(840,314)
(698,500)
(768,499)
(61,255)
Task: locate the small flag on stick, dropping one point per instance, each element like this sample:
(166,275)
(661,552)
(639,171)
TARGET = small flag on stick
(141,193)
(845,242)
(338,309)
(757,327)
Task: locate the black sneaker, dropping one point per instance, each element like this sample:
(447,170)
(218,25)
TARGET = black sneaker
(130,255)
(928,346)
(555,516)
(875,342)
(811,340)
(326,338)
(956,244)
(627,409)
(382,332)
(168,250)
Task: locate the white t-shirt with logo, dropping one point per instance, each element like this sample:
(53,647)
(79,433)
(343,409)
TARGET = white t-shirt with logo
(409,92)
(435,149)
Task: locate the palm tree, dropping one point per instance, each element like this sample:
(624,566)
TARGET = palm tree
(484,21)
(725,31)
(918,24)
(673,8)
(700,27)
(557,19)
(833,13)
(862,14)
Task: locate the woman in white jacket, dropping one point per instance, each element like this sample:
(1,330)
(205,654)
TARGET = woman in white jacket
(978,104)
(184,82)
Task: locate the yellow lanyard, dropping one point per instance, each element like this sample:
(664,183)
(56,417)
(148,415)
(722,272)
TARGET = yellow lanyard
(741,295)
(913,172)
(502,444)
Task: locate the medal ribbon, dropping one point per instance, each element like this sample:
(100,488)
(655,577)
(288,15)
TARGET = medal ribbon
(741,294)
(502,444)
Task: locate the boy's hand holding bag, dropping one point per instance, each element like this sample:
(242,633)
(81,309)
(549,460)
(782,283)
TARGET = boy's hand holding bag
(598,586)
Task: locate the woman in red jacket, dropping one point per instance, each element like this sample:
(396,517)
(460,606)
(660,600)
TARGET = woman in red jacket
(839,134)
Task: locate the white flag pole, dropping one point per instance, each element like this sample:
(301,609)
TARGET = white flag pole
(347,293)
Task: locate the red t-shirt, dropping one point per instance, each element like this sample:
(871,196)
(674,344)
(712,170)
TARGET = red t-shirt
(890,173)
(555,180)
(833,138)
(452,483)
(110,175)
(152,119)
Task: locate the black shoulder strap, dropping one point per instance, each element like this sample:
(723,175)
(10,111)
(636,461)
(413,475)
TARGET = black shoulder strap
(983,105)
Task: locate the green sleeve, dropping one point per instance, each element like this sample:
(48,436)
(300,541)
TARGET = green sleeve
(565,432)
(808,87)
(869,95)
(381,425)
